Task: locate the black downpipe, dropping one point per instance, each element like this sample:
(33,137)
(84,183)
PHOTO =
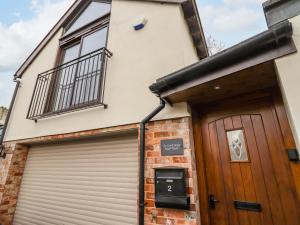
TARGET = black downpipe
(142,159)
(2,149)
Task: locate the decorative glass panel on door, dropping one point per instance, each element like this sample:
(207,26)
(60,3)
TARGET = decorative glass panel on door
(237,146)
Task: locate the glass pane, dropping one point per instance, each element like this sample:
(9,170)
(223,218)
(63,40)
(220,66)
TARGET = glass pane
(94,11)
(66,79)
(237,146)
(87,84)
(94,41)
(71,53)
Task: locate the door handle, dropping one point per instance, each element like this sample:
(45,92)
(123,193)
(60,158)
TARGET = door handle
(212,201)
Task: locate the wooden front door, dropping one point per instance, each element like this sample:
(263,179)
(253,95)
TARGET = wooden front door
(246,171)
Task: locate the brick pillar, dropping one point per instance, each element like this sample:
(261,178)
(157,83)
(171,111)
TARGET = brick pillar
(11,177)
(170,129)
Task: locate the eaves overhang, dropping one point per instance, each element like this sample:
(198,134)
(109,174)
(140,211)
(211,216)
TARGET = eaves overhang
(192,18)
(190,13)
(261,48)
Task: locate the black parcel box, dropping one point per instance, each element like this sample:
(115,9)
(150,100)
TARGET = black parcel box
(170,188)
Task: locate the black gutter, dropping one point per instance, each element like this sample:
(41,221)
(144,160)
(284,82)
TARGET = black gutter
(266,40)
(2,149)
(142,160)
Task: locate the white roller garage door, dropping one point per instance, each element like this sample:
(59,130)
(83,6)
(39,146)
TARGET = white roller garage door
(81,183)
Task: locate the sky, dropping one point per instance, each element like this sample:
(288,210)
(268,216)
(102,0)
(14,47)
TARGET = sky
(24,23)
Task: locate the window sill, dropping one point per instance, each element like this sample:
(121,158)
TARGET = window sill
(69,110)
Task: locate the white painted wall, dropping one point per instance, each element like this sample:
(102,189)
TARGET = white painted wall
(289,79)
(140,57)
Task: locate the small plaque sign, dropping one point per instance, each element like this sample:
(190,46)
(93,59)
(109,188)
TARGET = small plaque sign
(172,147)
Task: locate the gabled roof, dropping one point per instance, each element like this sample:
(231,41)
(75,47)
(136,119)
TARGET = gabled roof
(190,13)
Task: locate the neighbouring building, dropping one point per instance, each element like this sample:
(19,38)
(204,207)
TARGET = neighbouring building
(3,113)
(215,143)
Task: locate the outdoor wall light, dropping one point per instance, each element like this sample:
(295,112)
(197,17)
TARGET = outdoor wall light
(217,87)
(140,24)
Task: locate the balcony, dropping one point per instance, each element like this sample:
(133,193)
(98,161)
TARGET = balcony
(75,85)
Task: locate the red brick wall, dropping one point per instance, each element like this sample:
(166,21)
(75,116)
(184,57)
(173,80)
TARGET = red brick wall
(11,177)
(13,166)
(170,129)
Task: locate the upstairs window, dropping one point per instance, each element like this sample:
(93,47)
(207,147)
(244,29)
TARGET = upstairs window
(78,80)
(92,12)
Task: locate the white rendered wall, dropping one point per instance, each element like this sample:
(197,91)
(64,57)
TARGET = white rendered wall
(288,68)
(139,58)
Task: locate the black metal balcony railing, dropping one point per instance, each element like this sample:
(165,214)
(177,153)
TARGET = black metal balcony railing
(74,85)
